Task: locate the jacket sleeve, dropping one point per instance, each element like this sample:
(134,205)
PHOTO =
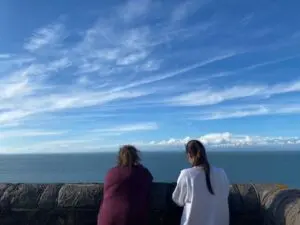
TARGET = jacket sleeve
(110,179)
(149,175)
(179,195)
(226,183)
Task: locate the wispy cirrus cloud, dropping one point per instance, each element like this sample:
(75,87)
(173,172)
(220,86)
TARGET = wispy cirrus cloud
(62,101)
(48,36)
(129,128)
(209,96)
(29,133)
(186,8)
(146,61)
(241,111)
(25,93)
(74,141)
(103,51)
(174,73)
(134,10)
(107,50)
(5,56)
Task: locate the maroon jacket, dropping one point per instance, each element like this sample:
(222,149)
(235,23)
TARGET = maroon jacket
(126,196)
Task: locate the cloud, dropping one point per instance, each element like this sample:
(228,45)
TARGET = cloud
(70,145)
(13,89)
(255,66)
(45,36)
(129,128)
(28,133)
(226,139)
(5,56)
(236,114)
(134,9)
(79,142)
(210,97)
(150,65)
(59,64)
(14,62)
(186,8)
(171,74)
(211,140)
(60,102)
(25,93)
(132,58)
(111,47)
(271,62)
(131,61)
(247,111)
(11,116)
(104,48)
(109,50)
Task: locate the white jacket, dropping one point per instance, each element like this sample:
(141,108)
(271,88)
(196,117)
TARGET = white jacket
(200,206)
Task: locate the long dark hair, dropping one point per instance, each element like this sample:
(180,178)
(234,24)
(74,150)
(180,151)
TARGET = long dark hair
(128,156)
(197,152)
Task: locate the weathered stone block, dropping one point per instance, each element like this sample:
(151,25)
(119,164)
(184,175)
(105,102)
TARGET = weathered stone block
(80,196)
(49,195)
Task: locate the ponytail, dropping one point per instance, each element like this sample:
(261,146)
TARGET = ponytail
(206,168)
(197,150)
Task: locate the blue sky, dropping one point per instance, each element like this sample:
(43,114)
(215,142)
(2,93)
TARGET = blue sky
(88,76)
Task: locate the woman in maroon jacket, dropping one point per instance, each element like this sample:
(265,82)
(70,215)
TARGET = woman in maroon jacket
(126,194)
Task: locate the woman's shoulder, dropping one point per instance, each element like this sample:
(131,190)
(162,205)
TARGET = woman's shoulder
(218,169)
(144,169)
(220,172)
(112,170)
(186,172)
(141,167)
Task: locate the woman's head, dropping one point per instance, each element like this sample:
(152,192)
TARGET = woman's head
(128,156)
(196,153)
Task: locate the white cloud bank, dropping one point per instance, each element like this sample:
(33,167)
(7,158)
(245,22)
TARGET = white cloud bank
(226,139)
(94,143)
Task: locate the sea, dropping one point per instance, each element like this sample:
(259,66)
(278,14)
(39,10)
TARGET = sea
(241,166)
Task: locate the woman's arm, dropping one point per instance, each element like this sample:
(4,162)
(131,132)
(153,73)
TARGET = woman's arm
(226,183)
(110,175)
(150,175)
(179,195)
(106,184)
(147,172)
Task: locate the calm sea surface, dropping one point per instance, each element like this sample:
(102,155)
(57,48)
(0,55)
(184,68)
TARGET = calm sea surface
(257,167)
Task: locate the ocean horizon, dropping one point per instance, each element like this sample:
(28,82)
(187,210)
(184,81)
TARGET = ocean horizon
(241,166)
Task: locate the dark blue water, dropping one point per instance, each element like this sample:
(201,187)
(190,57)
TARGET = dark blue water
(258,167)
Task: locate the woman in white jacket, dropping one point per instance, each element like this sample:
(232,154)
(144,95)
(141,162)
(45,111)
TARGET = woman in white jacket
(202,190)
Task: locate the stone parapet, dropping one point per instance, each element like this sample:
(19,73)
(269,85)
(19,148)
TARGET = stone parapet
(78,204)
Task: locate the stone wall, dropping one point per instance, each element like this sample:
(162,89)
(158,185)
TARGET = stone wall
(77,204)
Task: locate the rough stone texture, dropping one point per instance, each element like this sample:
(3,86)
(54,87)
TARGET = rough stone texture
(85,196)
(48,196)
(77,204)
(282,207)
